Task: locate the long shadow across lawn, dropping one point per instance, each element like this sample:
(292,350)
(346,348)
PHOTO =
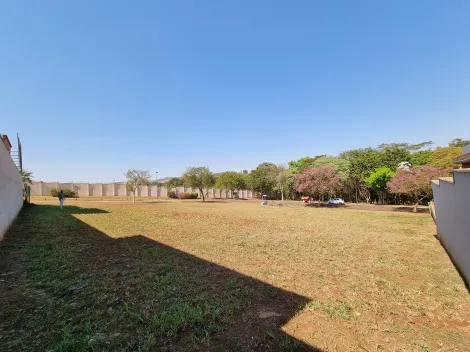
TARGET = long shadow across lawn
(67,286)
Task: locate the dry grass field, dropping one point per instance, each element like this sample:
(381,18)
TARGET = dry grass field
(227,276)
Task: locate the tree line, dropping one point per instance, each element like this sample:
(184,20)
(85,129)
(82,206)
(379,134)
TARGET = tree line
(397,173)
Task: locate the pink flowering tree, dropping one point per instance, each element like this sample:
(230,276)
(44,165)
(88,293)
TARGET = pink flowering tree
(415,182)
(318,181)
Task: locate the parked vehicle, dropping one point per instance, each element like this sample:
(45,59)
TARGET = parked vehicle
(306,199)
(339,201)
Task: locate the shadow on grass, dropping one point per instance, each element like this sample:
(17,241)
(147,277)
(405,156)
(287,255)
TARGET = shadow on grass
(462,276)
(369,207)
(212,201)
(325,205)
(78,289)
(410,210)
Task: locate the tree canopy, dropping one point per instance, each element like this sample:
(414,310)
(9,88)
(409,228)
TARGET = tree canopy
(135,179)
(444,157)
(415,182)
(27,176)
(173,183)
(231,180)
(459,142)
(261,179)
(421,157)
(406,146)
(200,178)
(319,182)
(341,166)
(364,173)
(377,180)
(298,166)
(395,155)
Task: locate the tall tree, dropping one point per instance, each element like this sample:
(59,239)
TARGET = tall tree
(173,183)
(231,180)
(341,166)
(415,182)
(378,181)
(261,179)
(318,181)
(281,178)
(27,176)
(459,142)
(395,155)
(407,146)
(362,163)
(200,178)
(444,157)
(298,166)
(420,158)
(135,179)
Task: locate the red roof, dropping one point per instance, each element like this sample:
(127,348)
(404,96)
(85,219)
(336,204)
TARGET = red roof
(6,141)
(462,159)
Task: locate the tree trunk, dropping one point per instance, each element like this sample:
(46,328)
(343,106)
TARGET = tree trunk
(355,186)
(415,209)
(133,197)
(202,194)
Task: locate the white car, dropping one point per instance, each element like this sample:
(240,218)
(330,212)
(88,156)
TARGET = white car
(336,201)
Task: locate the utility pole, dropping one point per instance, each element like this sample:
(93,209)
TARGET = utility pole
(156,180)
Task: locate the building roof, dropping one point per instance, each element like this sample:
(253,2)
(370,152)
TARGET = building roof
(6,141)
(464,158)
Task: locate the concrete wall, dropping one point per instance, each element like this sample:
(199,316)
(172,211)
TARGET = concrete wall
(452,206)
(11,190)
(119,189)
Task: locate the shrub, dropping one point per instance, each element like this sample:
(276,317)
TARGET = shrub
(172,195)
(183,195)
(54,192)
(186,195)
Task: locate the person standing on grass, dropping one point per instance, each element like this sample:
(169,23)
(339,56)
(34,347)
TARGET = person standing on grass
(61,198)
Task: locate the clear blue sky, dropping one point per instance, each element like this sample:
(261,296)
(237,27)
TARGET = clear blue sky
(97,87)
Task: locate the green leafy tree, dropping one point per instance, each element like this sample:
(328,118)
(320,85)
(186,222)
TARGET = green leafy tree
(135,179)
(459,142)
(406,146)
(281,176)
(394,155)
(261,179)
(231,180)
(200,178)
(341,166)
(298,166)
(27,176)
(378,181)
(421,158)
(444,157)
(173,183)
(415,182)
(362,163)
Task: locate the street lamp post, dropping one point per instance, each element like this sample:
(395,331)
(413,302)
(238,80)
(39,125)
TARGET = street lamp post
(156,179)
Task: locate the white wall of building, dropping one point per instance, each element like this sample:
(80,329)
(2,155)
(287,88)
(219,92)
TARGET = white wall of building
(11,190)
(452,205)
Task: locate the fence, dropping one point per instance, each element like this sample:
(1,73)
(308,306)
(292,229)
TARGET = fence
(11,190)
(119,190)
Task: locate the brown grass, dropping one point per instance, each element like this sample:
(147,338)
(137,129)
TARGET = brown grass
(371,281)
